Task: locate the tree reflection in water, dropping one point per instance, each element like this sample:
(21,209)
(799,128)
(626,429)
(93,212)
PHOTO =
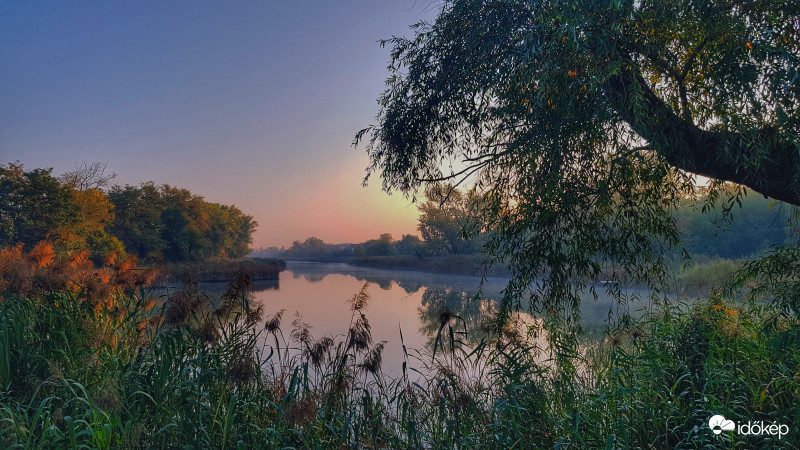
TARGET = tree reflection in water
(430,309)
(451,317)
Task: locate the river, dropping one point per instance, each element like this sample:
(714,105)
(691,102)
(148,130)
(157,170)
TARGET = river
(400,300)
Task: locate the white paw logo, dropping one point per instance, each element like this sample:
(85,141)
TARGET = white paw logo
(718,424)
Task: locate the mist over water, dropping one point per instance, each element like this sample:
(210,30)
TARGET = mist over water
(410,301)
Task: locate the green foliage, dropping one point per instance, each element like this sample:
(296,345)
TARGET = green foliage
(449,221)
(137,221)
(681,366)
(583,123)
(705,275)
(33,205)
(36,206)
(410,245)
(746,231)
(169,223)
(383,246)
(314,248)
(775,276)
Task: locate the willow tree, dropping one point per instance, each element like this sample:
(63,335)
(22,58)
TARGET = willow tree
(585,121)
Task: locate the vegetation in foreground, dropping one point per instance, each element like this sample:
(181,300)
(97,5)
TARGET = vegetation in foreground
(83,369)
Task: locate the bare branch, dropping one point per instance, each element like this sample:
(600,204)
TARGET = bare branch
(86,177)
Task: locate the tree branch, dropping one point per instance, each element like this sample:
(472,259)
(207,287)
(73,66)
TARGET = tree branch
(759,159)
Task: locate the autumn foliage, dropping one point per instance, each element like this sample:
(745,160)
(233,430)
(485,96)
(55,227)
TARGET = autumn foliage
(43,269)
(79,211)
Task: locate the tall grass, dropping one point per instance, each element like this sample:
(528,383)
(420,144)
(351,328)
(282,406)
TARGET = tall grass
(704,275)
(200,373)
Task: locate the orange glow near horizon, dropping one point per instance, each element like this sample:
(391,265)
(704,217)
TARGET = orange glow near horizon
(347,213)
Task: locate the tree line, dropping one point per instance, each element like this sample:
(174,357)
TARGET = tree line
(447,225)
(450,224)
(79,210)
(749,230)
(315,248)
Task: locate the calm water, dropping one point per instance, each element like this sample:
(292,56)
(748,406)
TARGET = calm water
(400,300)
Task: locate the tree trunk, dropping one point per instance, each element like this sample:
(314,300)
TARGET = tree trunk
(759,159)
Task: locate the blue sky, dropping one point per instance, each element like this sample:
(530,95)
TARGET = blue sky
(246,103)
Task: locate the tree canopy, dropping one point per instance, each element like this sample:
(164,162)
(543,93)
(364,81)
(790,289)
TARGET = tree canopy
(35,206)
(76,212)
(32,205)
(585,122)
(170,223)
(449,222)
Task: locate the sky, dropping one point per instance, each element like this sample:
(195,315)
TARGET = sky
(253,104)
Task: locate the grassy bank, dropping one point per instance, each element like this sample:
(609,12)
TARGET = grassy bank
(705,274)
(77,373)
(695,279)
(452,264)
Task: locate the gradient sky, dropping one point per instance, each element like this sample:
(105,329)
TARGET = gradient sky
(246,103)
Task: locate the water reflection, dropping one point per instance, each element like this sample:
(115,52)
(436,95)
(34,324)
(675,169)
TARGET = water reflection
(316,272)
(444,307)
(415,302)
(457,293)
(310,276)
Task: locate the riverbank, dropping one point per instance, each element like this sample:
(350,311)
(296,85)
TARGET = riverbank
(696,279)
(448,264)
(705,274)
(223,270)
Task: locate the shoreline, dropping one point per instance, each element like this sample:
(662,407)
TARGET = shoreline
(449,264)
(222,271)
(698,280)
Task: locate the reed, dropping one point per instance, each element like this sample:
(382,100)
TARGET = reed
(218,374)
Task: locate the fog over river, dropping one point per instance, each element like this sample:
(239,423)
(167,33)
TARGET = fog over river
(410,301)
